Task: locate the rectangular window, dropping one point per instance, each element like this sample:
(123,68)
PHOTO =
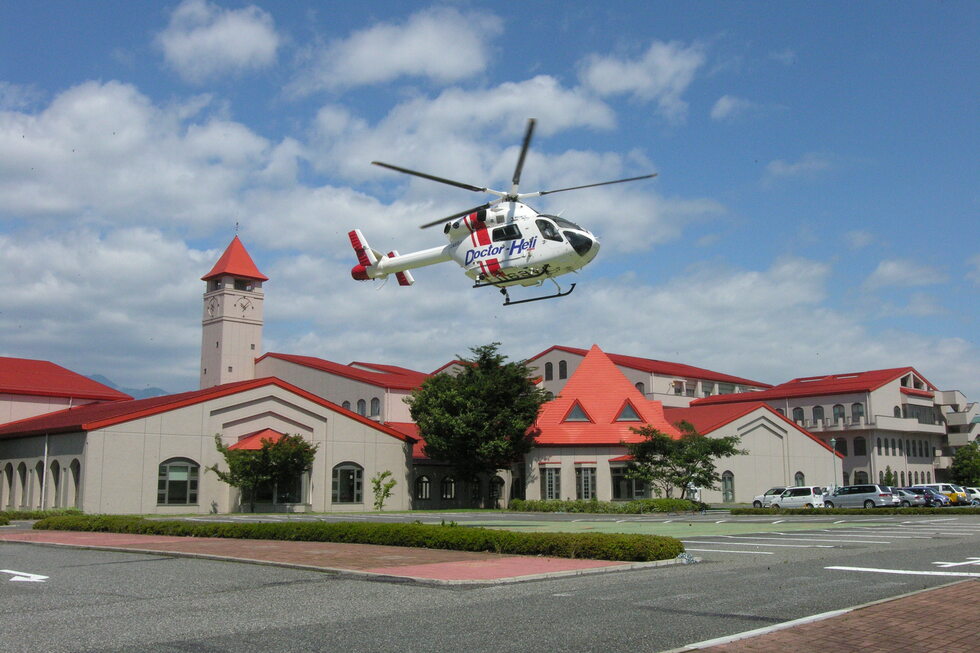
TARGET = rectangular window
(507,232)
(585,483)
(550,483)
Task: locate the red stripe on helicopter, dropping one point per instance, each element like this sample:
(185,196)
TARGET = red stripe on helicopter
(478,230)
(493,266)
(362,256)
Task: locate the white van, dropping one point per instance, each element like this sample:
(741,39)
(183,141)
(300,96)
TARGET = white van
(800,496)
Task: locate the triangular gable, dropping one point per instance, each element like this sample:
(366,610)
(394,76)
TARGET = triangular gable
(577,414)
(602,393)
(628,413)
(253,442)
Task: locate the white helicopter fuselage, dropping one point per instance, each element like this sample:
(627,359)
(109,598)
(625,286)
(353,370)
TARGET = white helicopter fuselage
(505,245)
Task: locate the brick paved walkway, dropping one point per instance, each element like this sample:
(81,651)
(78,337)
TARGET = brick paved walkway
(942,620)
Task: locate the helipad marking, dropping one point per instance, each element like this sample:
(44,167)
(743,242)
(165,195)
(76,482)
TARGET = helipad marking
(24,576)
(908,572)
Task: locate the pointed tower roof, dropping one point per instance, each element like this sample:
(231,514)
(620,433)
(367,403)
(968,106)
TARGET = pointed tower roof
(235,262)
(598,406)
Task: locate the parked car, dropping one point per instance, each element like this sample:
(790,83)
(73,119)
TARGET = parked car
(973,493)
(860,496)
(933,498)
(956,497)
(801,496)
(909,499)
(764,499)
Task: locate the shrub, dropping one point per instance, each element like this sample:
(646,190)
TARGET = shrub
(602,546)
(638,506)
(38,514)
(4,520)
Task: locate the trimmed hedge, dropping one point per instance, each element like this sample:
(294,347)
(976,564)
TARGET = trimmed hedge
(38,514)
(4,520)
(600,546)
(639,506)
(855,511)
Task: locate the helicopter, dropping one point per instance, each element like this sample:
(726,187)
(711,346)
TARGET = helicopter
(499,244)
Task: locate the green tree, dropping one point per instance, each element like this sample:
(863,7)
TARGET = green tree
(275,463)
(479,420)
(890,478)
(966,465)
(382,488)
(686,462)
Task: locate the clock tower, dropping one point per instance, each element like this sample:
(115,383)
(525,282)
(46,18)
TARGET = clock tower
(232,324)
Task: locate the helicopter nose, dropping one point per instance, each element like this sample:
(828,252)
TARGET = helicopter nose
(582,243)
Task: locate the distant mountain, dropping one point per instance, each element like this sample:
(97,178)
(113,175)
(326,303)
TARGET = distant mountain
(143,393)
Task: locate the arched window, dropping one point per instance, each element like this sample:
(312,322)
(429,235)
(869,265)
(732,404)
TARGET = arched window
(22,484)
(346,483)
(549,371)
(781,412)
(898,411)
(75,469)
(894,448)
(901,475)
(475,490)
(799,479)
(422,488)
(879,446)
(899,447)
(345,405)
(727,487)
(838,413)
(908,448)
(177,482)
(7,488)
(860,446)
(844,477)
(447,488)
(857,411)
(375,407)
(841,446)
(562,370)
(881,476)
(38,485)
(55,484)
(361,407)
(641,388)
(817,413)
(860,477)
(797,414)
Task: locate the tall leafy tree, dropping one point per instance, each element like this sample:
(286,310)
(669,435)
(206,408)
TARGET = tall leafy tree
(279,462)
(966,465)
(479,420)
(668,463)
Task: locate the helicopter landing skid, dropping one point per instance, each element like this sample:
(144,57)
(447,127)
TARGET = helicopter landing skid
(508,302)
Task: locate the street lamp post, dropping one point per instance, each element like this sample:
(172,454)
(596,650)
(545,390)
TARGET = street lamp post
(833,461)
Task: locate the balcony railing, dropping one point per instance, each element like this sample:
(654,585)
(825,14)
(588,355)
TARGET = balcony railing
(883,422)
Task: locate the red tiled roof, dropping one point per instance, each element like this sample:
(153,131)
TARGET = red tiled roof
(813,386)
(23,376)
(602,391)
(663,368)
(254,441)
(385,376)
(706,419)
(411,429)
(235,262)
(91,417)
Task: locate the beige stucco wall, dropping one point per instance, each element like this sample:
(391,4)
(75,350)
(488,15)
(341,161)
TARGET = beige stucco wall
(120,463)
(336,388)
(15,407)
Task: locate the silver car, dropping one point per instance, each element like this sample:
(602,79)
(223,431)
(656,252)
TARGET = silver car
(908,499)
(765,499)
(860,496)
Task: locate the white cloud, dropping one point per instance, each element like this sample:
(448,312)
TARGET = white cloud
(204,41)
(440,44)
(974,273)
(729,106)
(809,165)
(858,239)
(662,75)
(17,97)
(903,273)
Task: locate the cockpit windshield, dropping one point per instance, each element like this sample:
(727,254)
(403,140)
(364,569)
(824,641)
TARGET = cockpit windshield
(563,223)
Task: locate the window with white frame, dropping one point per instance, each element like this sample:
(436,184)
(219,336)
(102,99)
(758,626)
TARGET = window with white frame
(585,483)
(177,482)
(422,488)
(447,488)
(346,486)
(728,487)
(550,483)
(625,488)
(375,407)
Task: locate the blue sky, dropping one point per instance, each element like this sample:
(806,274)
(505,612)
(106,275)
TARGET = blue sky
(815,209)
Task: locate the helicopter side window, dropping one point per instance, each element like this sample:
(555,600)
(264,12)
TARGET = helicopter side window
(507,232)
(548,230)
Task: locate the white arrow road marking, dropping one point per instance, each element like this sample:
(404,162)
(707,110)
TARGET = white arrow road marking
(24,576)
(969,561)
(908,572)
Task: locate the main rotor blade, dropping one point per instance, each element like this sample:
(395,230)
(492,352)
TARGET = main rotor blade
(602,183)
(520,160)
(424,175)
(461,213)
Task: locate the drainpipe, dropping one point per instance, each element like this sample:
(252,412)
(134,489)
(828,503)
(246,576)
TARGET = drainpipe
(44,472)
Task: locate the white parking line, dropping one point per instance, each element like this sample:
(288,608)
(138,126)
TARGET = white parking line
(760,553)
(908,572)
(788,546)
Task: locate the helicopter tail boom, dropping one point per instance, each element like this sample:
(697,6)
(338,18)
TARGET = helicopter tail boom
(372,264)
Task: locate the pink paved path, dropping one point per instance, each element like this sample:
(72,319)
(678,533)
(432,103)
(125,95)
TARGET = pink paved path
(422,564)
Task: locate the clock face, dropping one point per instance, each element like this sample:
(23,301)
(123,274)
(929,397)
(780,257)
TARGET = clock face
(212,307)
(244,304)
